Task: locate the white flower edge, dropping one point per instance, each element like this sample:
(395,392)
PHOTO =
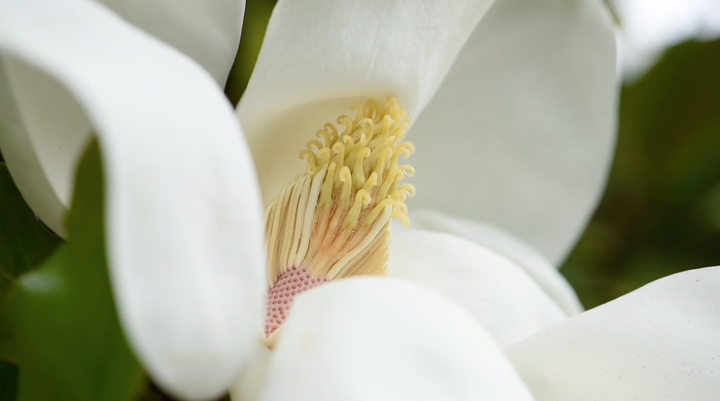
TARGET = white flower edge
(535,264)
(658,342)
(521,134)
(493,289)
(208,30)
(643,43)
(384,339)
(184,237)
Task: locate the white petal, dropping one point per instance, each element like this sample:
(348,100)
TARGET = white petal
(183,211)
(534,263)
(249,385)
(493,289)
(521,133)
(206,30)
(320,57)
(43,132)
(657,343)
(380,339)
(651,26)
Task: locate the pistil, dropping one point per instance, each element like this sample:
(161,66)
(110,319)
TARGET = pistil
(333,221)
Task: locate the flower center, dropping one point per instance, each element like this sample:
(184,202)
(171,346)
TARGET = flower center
(334,220)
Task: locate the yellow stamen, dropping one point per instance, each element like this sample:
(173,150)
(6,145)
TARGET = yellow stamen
(334,220)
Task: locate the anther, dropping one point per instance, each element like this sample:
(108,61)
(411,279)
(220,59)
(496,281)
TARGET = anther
(334,220)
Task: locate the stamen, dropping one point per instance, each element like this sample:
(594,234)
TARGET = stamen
(334,220)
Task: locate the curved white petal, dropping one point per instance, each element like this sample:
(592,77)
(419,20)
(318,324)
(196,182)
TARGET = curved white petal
(380,339)
(206,30)
(320,57)
(493,289)
(657,343)
(521,133)
(183,211)
(535,264)
(43,132)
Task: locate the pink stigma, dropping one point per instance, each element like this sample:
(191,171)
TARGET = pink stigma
(280,298)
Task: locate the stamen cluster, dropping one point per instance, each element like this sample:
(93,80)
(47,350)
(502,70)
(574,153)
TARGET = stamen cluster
(334,220)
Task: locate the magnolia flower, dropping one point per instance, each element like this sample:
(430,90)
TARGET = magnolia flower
(512,105)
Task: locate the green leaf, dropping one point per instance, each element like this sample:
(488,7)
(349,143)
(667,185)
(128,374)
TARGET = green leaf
(70,343)
(24,243)
(257,14)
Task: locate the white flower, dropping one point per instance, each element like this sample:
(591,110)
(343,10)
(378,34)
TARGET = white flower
(518,136)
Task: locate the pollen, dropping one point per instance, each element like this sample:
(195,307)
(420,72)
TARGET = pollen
(333,221)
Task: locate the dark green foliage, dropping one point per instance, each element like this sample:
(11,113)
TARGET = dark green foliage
(257,13)
(24,241)
(68,338)
(8,381)
(661,211)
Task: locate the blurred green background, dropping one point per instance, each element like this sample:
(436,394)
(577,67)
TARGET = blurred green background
(660,213)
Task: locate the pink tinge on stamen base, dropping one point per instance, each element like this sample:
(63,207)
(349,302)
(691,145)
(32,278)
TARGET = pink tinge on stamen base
(280,298)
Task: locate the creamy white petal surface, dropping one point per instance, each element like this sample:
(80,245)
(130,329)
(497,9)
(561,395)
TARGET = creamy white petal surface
(206,30)
(494,290)
(380,339)
(43,133)
(521,133)
(535,264)
(252,381)
(657,343)
(183,230)
(320,57)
